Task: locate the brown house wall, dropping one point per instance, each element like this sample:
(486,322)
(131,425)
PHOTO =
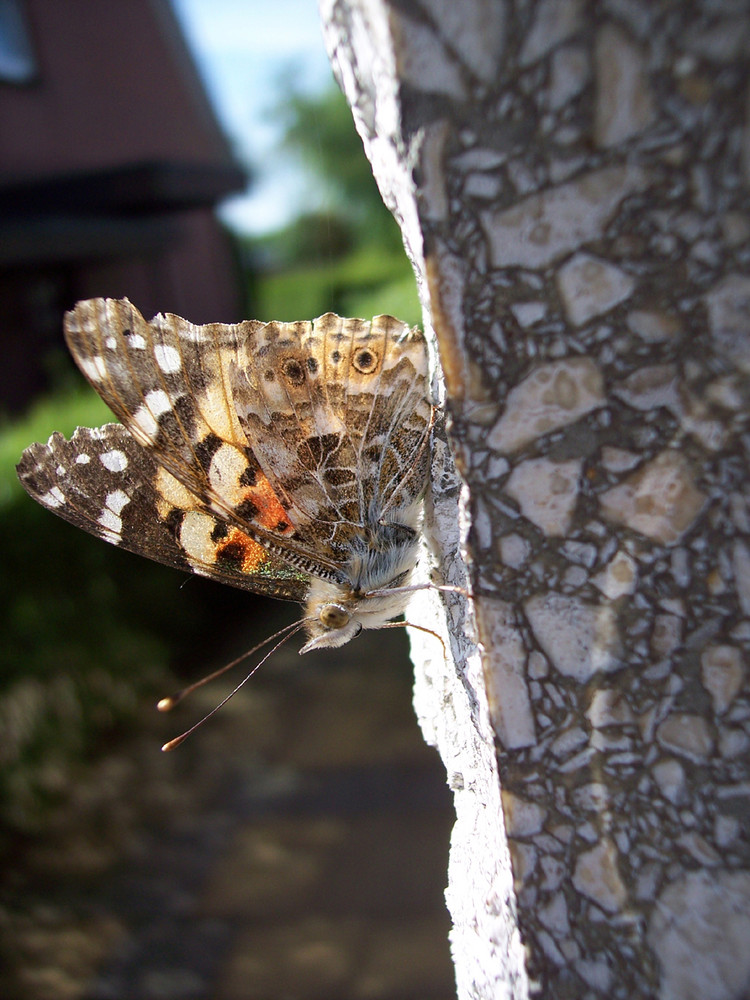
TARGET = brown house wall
(118,102)
(114,87)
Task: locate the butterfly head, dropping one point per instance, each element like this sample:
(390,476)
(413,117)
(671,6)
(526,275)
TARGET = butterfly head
(335,615)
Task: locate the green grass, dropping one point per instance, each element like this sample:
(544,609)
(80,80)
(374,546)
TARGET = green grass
(397,297)
(62,411)
(365,283)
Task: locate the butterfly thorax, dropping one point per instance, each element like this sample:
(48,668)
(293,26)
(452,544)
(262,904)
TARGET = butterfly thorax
(381,559)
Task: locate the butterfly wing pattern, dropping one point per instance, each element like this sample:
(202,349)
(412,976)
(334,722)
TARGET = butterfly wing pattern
(289,459)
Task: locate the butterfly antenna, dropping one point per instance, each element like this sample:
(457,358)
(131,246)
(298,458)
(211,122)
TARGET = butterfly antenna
(290,631)
(167,704)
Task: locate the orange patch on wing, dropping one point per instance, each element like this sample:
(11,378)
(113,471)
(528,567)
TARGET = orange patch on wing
(241,551)
(271,515)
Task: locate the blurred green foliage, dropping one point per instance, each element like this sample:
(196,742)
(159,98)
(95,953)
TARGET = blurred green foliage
(320,133)
(64,410)
(364,283)
(347,257)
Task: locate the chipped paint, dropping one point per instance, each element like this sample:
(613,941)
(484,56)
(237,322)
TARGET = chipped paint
(544,227)
(546,492)
(552,396)
(580,639)
(660,500)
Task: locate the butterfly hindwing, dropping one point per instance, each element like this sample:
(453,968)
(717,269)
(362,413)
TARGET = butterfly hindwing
(103,481)
(337,414)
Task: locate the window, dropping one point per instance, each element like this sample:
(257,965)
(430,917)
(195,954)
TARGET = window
(17,62)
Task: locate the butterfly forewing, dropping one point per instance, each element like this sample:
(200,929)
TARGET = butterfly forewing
(168,381)
(103,481)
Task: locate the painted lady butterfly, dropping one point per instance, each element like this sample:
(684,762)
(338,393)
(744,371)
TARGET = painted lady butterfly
(289,459)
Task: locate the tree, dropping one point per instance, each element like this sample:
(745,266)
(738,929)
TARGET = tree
(571,180)
(345,253)
(318,132)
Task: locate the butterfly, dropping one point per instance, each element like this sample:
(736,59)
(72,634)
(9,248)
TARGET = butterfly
(289,459)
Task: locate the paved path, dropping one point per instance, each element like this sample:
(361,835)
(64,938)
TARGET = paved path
(294,849)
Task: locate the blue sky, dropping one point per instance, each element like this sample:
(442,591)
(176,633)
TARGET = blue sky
(242,47)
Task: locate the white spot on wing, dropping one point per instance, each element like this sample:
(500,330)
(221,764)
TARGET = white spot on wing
(110,343)
(225,472)
(83,459)
(60,470)
(145,426)
(195,334)
(54,498)
(111,522)
(167,358)
(93,368)
(158,402)
(195,538)
(115,461)
(116,500)
(136,342)
(172,492)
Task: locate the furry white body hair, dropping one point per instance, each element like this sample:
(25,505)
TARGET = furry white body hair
(382,560)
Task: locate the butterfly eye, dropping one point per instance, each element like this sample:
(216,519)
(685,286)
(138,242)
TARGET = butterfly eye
(333,616)
(365,361)
(294,371)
